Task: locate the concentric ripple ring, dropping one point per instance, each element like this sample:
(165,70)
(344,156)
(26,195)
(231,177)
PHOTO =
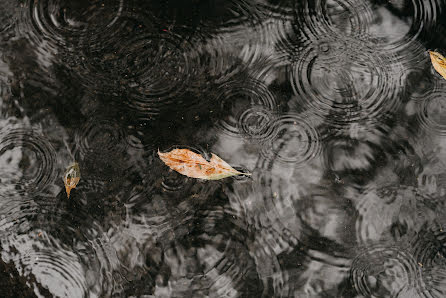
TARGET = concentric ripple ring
(345,82)
(292,140)
(30,159)
(385,272)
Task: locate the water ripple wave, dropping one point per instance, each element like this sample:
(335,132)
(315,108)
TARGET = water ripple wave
(345,81)
(28,159)
(386,271)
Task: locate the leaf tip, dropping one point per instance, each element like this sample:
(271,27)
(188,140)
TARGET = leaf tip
(68,190)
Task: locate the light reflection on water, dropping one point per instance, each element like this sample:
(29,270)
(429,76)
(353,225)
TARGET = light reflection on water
(332,105)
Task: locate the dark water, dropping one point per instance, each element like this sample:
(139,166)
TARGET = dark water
(332,105)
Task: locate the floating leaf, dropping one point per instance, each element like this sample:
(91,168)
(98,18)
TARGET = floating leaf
(439,63)
(194,165)
(71,178)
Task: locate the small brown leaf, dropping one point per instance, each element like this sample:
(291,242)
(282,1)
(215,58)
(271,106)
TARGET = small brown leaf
(194,165)
(439,63)
(71,178)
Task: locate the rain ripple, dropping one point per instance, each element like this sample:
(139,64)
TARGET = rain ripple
(146,71)
(254,122)
(291,139)
(386,271)
(387,212)
(429,246)
(99,136)
(27,160)
(61,23)
(338,17)
(59,270)
(243,104)
(431,112)
(345,81)
(39,236)
(211,260)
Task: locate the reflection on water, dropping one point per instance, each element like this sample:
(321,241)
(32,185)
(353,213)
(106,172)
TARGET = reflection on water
(332,105)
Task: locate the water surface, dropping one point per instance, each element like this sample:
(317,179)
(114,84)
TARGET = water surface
(332,105)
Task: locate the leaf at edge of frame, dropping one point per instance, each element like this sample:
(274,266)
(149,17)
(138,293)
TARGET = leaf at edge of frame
(439,63)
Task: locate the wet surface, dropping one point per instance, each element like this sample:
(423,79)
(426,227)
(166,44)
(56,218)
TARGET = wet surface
(333,106)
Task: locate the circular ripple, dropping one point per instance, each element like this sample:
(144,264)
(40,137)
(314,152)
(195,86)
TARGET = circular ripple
(149,71)
(298,212)
(211,257)
(254,122)
(235,99)
(429,249)
(174,182)
(58,23)
(390,212)
(345,82)
(27,159)
(429,245)
(340,17)
(101,137)
(435,280)
(58,270)
(292,140)
(59,240)
(162,74)
(385,272)
(430,113)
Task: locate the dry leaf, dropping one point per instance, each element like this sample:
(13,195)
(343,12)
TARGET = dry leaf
(71,178)
(194,165)
(439,63)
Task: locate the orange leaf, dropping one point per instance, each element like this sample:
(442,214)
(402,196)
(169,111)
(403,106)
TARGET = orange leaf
(439,63)
(194,165)
(71,178)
